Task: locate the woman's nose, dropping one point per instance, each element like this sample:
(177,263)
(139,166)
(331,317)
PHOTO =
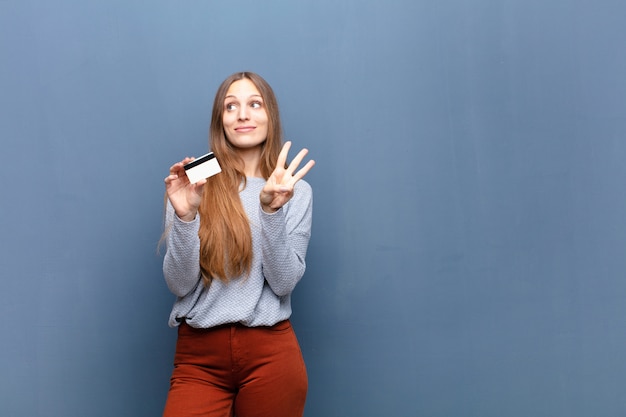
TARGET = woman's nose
(243,113)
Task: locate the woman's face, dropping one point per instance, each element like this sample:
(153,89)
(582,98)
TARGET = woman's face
(245,118)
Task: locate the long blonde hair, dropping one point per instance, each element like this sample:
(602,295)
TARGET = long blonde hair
(225,235)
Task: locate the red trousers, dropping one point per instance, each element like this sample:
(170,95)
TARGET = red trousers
(237,371)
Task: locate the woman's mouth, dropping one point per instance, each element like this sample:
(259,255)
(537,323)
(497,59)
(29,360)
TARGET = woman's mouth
(244,129)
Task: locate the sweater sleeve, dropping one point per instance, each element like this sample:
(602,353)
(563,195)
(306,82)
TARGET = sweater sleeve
(181,264)
(285,238)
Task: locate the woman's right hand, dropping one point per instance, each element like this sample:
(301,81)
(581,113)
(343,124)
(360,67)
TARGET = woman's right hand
(184,196)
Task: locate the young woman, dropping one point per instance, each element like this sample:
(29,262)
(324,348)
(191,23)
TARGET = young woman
(236,246)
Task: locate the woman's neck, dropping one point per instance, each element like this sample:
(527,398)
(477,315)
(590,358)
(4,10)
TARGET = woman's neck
(251,158)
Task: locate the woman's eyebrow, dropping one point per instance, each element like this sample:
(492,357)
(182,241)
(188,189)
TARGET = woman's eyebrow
(235,97)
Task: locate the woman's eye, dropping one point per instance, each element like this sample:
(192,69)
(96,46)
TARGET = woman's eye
(230,107)
(256,105)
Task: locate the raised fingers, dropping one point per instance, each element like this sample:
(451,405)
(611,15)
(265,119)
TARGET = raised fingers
(282,156)
(295,162)
(305,169)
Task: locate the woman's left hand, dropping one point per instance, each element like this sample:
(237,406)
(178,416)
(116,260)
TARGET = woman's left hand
(278,189)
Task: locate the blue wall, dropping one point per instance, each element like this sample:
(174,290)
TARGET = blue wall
(468,256)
